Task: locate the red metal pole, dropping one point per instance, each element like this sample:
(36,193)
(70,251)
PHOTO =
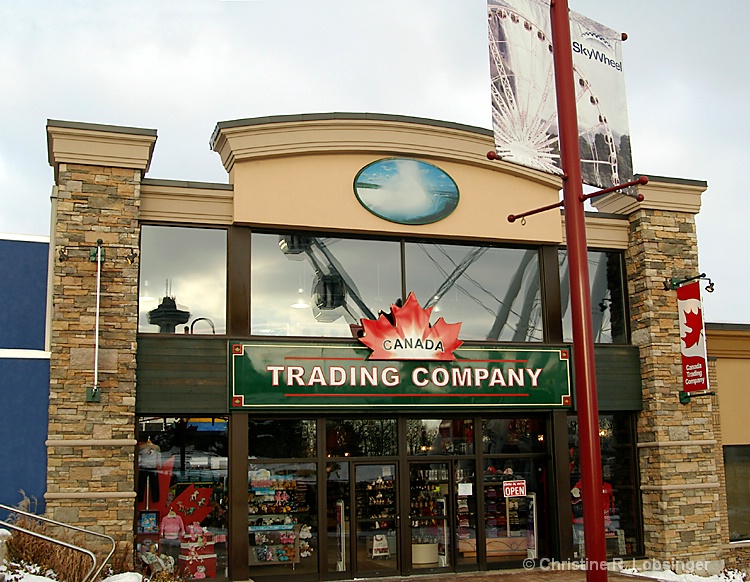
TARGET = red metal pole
(580,298)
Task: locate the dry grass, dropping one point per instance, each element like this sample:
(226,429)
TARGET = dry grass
(67,564)
(122,559)
(26,553)
(167,577)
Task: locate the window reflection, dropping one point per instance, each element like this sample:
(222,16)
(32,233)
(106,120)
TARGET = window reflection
(508,436)
(282,439)
(440,436)
(608,312)
(737,464)
(361,438)
(320,286)
(183,274)
(182,495)
(493,292)
(619,496)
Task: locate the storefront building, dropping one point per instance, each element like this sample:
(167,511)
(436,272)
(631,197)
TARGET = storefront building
(256,403)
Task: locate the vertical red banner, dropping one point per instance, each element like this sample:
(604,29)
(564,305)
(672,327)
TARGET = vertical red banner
(692,338)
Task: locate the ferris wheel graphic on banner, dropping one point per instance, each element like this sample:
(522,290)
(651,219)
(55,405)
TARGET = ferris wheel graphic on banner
(524,107)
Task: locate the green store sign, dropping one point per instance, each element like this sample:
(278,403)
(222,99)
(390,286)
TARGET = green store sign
(280,375)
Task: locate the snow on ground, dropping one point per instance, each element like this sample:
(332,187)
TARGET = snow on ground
(27,577)
(669,575)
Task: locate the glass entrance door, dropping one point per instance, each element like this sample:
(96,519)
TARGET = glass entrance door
(377,519)
(430,515)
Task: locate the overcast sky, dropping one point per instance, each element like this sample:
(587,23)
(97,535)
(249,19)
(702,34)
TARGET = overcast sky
(181,66)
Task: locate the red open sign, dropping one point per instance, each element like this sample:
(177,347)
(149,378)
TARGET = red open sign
(514,488)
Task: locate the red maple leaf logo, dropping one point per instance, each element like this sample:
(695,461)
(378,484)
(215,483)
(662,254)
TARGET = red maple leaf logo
(406,334)
(694,322)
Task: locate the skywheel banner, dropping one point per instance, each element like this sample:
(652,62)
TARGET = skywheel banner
(524,105)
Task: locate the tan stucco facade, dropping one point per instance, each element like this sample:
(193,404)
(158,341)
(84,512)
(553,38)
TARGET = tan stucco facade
(729,347)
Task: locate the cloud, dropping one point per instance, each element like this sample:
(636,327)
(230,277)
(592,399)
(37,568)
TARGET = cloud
(181,66)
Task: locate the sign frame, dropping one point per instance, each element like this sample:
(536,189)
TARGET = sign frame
(274,375)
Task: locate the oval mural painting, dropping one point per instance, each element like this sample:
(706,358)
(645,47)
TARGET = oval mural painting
(406,191)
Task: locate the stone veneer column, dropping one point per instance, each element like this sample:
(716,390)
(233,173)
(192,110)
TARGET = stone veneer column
(680,485)
(91,445)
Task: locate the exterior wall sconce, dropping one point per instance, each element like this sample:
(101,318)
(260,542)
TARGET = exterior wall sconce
(63,253)
(686,396)
(675,282)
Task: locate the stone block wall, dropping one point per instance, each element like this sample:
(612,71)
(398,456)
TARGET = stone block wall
(680,476)
(91,445)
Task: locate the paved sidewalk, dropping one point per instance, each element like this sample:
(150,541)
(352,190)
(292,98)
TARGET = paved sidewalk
(520,575)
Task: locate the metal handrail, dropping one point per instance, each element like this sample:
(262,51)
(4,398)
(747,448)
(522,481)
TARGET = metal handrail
(93,571)
(54,541)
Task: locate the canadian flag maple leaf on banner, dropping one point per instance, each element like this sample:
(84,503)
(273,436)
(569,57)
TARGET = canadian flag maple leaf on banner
(694,322)
(693,344)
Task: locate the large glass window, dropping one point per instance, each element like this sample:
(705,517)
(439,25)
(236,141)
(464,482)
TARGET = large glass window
(608,310)
(320,286)
(281,439)
(737,469)
(374,437)
(619,495)
(447,436)
(182,496)
(282,504)
(515,450)
(493,292)
(182,280)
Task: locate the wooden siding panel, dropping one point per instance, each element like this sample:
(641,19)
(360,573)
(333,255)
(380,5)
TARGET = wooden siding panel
(181,375)
(618,378)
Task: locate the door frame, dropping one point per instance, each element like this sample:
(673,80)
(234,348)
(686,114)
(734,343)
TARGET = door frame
(353,519)
(451,522)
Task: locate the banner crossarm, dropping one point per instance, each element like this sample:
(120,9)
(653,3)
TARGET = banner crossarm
(675,282)
(642,180)
(686,396)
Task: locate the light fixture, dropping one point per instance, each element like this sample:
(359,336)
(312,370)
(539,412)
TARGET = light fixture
(675,282)
(300,303)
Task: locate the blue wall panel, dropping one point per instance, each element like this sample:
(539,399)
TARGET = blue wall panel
(24,399)
(23,294)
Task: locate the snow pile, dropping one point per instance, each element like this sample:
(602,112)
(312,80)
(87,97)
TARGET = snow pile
(670,576)
(29,577)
